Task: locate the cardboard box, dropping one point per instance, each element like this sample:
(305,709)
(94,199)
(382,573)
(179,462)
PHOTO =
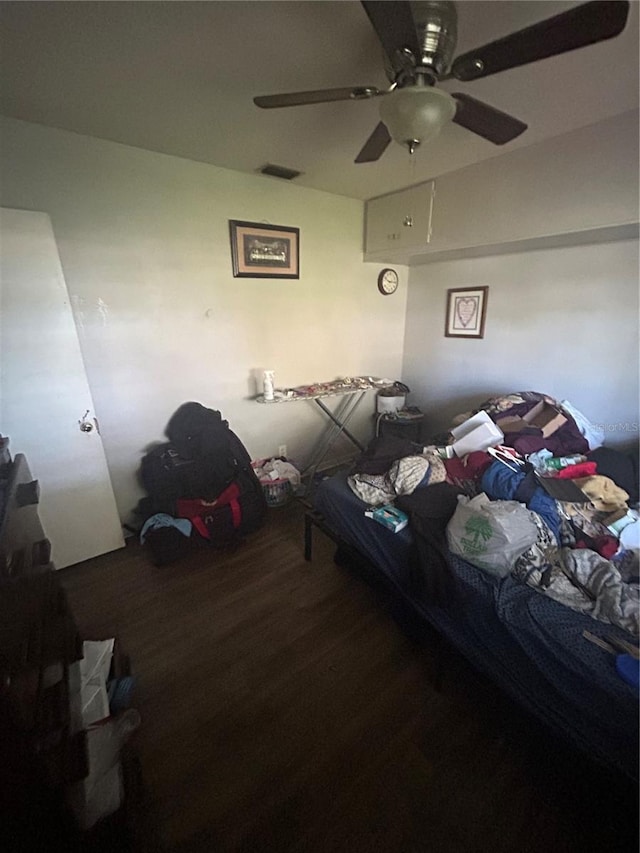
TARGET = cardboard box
(512,423)
(546,417)
(542,416)
(477,433)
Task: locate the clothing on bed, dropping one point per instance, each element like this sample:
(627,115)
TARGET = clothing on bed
(525,630)
(500,483)
(402,477)
(603,493)
(565,440)
(530,645)
(429,512)
(381,453)
(586,581)
(583,580)
(467,472)
(618,466)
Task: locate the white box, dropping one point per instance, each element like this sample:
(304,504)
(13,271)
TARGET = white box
(477,433)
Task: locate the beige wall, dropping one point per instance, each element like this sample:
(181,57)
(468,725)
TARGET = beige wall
(143,240)
(561,321)
(144,244)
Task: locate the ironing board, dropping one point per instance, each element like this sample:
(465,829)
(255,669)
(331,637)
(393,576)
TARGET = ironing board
(351,391)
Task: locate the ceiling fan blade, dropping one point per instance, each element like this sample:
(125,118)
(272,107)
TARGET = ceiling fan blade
(375,146)
(486,121)
(578,27)
(317,96)
(394,26)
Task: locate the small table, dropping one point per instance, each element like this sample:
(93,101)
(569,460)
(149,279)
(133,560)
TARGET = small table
(352,392)
(399,426)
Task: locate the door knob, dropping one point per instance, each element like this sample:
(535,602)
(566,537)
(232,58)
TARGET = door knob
(84,424)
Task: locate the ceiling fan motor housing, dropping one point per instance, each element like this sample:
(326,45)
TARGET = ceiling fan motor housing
(437,26)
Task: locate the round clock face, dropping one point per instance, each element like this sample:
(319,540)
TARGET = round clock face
(388,281)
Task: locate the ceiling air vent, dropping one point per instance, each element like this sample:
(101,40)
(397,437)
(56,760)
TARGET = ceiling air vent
(279,172)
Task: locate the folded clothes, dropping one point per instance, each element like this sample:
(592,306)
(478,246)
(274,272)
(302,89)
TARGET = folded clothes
(582,469)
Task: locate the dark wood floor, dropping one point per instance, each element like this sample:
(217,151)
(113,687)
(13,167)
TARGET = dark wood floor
(284,710)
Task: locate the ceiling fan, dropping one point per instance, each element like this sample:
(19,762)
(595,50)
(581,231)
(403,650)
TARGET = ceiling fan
(419,40)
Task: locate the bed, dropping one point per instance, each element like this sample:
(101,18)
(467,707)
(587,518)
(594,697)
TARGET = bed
(529,645)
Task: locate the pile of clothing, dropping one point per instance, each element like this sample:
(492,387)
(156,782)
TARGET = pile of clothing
(586,552)
(394,466)
(576,559)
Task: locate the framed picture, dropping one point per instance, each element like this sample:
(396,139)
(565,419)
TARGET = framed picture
(264,251)
(466,310)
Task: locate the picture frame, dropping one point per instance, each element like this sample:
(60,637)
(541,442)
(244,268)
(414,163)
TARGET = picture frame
(466,312)
(259,250)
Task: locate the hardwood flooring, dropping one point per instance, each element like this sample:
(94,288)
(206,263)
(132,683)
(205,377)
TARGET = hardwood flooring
(284,710)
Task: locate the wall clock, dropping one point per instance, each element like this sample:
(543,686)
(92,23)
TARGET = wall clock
(387,281)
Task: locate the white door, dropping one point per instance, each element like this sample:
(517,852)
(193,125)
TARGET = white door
(44,393)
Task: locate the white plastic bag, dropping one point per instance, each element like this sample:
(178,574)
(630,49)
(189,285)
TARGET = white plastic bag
(491,534)
(594,433)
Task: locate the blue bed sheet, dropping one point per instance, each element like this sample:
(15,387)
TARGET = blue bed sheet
(530,645)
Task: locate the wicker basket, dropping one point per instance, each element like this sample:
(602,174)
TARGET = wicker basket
(276,492)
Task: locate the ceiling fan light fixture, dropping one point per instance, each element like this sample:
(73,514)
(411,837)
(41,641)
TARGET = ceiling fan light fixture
(416,114)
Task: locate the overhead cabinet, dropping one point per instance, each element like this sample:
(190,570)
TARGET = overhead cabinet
(399,223)
(579,187)
(579,182)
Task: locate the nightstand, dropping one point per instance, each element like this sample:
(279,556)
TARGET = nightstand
(406,423)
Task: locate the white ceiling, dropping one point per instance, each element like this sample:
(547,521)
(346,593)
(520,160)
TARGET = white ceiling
(179,78)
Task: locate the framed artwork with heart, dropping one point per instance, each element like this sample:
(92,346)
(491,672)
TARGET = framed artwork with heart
(466,311)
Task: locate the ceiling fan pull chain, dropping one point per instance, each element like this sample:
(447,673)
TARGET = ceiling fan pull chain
(411,174)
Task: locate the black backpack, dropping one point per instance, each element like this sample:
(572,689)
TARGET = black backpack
(200,460)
